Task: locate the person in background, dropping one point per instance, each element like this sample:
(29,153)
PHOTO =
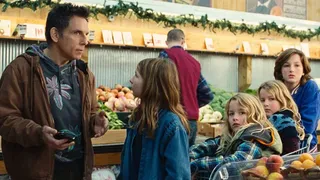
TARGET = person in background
(283,113)
(293,69)
(195,91)
(247,134)
(156,146)
(47,90)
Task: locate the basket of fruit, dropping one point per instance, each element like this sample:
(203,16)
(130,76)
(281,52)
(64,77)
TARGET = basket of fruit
(304,166)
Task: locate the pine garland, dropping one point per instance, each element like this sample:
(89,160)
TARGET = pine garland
(172,21)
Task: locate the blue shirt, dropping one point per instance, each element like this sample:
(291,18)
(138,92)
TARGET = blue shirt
(307,98)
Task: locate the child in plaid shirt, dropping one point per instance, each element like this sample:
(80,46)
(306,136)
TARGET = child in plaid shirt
(283,113)
(247,135)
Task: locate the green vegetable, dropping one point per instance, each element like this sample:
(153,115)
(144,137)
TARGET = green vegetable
(220,100)
(221,97)
(251,91)
(114,121)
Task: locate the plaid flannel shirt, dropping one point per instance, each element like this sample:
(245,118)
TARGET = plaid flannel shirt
(204,157)
(204,93)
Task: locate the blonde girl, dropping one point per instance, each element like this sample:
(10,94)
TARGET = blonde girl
(283,113)
(247,134)
(156,146)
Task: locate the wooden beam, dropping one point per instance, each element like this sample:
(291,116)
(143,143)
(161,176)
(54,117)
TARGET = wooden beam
(223,41)
(244,72)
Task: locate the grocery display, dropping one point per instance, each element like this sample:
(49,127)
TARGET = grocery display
(221,98)
(118,99)
(114,121)
(208,115)
(117,102)
(304,166)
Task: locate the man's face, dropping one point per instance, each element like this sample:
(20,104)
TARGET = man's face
(74,38)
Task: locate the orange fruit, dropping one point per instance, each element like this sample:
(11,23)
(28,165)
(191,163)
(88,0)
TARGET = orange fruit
(318,160)
(296,164)
(305,156)
(307,164)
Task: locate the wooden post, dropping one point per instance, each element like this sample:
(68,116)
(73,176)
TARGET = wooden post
(85,55)
(244,72)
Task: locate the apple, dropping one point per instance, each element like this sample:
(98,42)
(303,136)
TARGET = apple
(274,163)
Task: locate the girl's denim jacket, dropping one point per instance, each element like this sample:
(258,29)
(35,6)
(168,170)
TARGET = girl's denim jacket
(166,156)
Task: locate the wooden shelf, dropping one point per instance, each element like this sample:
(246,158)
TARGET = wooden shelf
(224,42)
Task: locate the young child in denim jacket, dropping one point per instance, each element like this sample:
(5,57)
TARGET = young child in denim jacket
(247,134)
(283,113)
(156,146)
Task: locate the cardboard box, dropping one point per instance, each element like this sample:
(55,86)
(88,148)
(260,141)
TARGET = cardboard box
(210,130)
(111,137)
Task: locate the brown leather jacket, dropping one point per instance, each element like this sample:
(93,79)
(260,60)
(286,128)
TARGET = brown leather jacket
(25,108)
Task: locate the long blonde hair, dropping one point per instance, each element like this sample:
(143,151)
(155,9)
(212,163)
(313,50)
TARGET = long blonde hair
(281,93)
(255,115)
(161,89)
(253,109)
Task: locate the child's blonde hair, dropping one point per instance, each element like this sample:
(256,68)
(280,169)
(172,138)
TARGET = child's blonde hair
(255,115)
(253,109)
(281,93)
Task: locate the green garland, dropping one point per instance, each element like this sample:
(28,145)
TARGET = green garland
(172,21)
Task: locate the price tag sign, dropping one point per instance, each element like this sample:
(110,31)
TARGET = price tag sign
(107,36)
(127,38)
(147,37)
(246,47)
(209,43)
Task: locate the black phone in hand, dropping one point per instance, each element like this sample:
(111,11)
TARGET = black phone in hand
(65,135)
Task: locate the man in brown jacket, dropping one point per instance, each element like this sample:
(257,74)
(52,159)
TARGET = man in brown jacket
(48,90)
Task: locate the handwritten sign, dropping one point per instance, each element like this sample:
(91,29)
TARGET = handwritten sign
(160,40)
(5,26)
(209,43)
(117,37)
(246,47)
(305,49)
(264,49)
(107,36)
(36,31)
(127,38)
(147,37)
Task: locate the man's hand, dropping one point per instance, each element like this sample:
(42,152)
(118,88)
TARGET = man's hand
(101,124)
(48,138)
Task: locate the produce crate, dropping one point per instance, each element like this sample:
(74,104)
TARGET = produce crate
(209,129)
(111,137)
